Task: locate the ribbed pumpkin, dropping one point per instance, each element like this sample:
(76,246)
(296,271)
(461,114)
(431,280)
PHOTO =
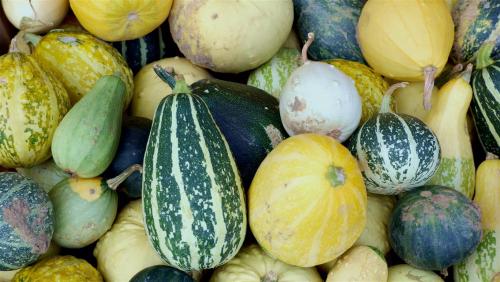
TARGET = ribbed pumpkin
(312,209)
(59,269)
(32,103)
(370,85)
(396,152)
(406,40)
(119,20)
(78,60)
(484,263)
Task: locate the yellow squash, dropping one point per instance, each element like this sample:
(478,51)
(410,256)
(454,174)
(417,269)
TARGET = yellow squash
(360,263)
(59,269)
(307,201)
(408,100)
(448,120)
(78,60)
(118,20)
(370,85)
(407,40)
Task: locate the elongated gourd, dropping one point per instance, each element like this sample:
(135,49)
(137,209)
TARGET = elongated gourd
(448,120)
(484,263)
(87,138)
(407,40)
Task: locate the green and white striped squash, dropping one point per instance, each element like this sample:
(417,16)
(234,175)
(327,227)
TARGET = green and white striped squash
(273,75)
(396,152)
(485,104)
(193,200)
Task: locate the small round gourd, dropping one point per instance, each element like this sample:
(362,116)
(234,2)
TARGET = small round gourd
(59,269)
(396,152)
(318,98)
(161,273)
(434,227)
(26,221)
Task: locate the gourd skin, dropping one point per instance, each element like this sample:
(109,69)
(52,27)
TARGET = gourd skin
(252,264)
(299,213)
(161,273)
(47,174)
(32,103)
(360,263)
(408,100)
(407,273)
(447,119)
(36,15)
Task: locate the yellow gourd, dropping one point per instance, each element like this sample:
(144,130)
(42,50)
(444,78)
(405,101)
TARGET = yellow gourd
(448,120)
(407,40)
(118,20)
(359,264)
(59,269)
(408,100)
(307,201)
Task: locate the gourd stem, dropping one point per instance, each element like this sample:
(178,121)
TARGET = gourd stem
(176,82)
(491,156)
(484,55)
(429,73)
(336,176)
(271,276)
(32,38)
(310,39)
(113,183)
(385,106)
(19,44)
(467,73)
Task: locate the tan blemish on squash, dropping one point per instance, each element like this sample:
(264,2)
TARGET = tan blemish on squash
(215,16)
(88,189)
(334,133)
(298,105)
(274,135)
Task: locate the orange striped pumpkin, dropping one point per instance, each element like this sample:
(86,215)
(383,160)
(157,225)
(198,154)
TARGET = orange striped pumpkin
(307,201)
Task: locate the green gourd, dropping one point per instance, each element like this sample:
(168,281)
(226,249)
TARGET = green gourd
(87,138)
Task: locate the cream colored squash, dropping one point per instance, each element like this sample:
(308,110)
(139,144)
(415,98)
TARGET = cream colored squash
(149,89)
(125,250)
(118,20)
(35,16)
(252,264)
(6,276)
(407,40)
(406,273)
(230,36)
(359,264)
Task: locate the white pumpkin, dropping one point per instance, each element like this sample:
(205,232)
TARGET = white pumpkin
(359,264)
(230,36)
(36,16)
(407,273)
(319,98)
(149,89)
(252,264)
(125,250)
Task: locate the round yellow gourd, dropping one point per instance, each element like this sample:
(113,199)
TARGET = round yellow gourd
(307,201)
(407,40)
(59,269)
(149,89)
(118,20)
(407,273)
(359,264)
(408,100)
(125,250)
(370,85)
(252,264)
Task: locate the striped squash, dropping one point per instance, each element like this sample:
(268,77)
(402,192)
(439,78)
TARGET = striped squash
(486,100)
(396,152)
(32,103)
(448,120)
(78,60)
(193,200)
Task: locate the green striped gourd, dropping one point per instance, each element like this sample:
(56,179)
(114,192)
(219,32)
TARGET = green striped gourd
(87,138)
(486,100)
(448,120)
(396,152)
(484,264)
(273,75)
(193,201)
(32,103)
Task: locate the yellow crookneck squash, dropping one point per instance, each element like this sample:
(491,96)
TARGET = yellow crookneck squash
(118,20)
(448,120)
(407,40)
(307,201)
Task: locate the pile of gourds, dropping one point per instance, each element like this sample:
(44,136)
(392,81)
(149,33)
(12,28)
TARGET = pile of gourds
(305,140)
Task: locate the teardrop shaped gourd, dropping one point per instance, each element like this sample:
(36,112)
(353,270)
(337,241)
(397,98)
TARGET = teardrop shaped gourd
(396,152)
(484,263)
(87,138)
(407,40)
(85,208)
(312,209)
(448,120)
(32,103)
